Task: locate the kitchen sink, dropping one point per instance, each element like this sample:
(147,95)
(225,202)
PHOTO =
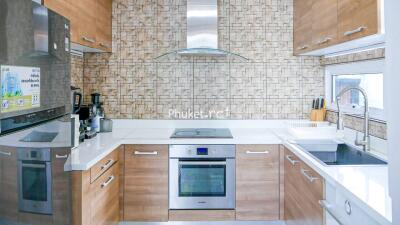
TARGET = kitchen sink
(345,155)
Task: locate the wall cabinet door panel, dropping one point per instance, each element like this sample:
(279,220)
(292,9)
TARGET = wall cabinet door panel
(257,182)
(324,25)
(104,25)
(357,18)
(302,26)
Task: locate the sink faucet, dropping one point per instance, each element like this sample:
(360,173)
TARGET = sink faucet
(365,143)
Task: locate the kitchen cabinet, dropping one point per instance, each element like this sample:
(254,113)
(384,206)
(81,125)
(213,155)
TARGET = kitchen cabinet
(61,187)
(324,23)
(357,18)
(104,25)
(90,21)
(304,188)
(302,26)
(257,182)
(96,201)
(8,183)
(146,183)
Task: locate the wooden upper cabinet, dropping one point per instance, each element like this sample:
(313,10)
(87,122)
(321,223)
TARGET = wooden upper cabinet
(357,18)
(257,182)
(146,183)
(104,25)
(62,7)
(324,23)
(90,21)
(302,26)
(83,20)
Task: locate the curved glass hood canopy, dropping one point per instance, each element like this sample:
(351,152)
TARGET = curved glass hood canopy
(202,31)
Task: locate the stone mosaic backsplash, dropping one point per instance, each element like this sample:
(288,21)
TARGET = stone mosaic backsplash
(273,84)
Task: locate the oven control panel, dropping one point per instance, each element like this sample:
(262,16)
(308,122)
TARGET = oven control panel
(202,151)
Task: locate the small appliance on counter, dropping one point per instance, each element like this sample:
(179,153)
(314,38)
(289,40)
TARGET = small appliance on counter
(106,125)
(97,112)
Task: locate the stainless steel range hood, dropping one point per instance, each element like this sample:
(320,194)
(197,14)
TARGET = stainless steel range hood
(202,30)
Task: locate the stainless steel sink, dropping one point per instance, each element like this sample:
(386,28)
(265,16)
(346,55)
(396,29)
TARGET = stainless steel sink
(344,155)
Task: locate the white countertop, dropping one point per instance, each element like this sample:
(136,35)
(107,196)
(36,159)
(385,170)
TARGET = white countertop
(367,186)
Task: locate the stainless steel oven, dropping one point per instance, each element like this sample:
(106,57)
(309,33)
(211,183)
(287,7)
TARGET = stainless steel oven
(34,176)
(202,177)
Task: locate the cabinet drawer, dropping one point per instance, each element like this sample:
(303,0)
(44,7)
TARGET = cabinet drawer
(104,164)
(105,201)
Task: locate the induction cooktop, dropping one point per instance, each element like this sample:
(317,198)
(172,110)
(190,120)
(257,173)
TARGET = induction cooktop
(202,133)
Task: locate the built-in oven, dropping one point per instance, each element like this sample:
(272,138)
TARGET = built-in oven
(34,180)
(202,177)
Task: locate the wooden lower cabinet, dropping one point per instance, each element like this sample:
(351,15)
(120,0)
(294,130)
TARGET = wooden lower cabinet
(146,183)
(257,182)
(96,202)
(8,183)
(201,215)
(303,190)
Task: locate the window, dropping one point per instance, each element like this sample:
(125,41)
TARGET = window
(367,75)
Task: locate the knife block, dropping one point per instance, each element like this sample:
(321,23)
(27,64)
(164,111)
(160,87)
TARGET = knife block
(318,115)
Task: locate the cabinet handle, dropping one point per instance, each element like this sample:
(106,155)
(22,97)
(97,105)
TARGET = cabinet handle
(302,47)
(308,176)
(292,161)
(351,32)
(146,153)
(104,45)
(108,164)
(324,41)
(325,205)
(61,156)
(5,153)
(253,152)
(91,40)
(105,184)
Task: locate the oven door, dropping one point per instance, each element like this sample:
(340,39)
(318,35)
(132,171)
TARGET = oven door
(202,184)
(35,193)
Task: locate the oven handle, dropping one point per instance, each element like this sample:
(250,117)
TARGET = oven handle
(33,165)
(202,162)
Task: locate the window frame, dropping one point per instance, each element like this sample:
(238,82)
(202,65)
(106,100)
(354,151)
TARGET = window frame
(354,68)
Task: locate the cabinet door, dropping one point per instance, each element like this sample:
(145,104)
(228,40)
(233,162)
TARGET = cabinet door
(146,183)
(257,182)
(83,22)
(324,23)
(62,7)
(61,187)
(302,26)
(357,18)
(105,198)
(8,184)
(104,25)
(302,194)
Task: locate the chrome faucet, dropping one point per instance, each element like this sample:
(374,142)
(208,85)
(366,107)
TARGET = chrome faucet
(365,143)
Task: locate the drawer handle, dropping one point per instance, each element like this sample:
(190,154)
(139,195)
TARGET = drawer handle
(292,161)
(325,205)
(308,176)
(302,47)
(61,156)
(146,153)
(5,153)
(91,40)
(255,152)
(104,45)
(324,41)
(105,184)
(108,164)
(351,32)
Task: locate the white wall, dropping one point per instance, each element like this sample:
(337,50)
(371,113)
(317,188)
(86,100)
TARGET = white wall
(392,104)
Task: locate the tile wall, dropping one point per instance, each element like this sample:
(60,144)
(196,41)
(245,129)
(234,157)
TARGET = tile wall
(273,84)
